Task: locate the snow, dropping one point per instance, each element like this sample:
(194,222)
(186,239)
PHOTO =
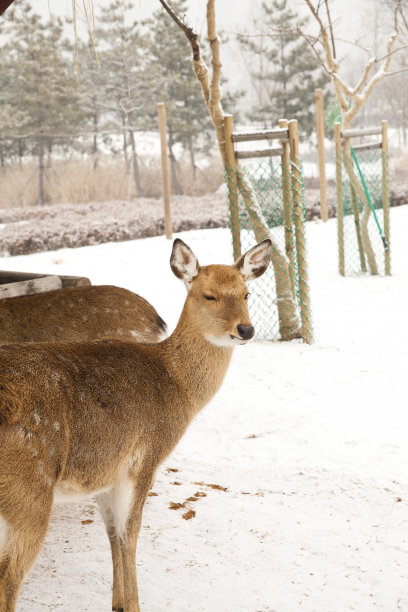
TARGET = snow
(310,443)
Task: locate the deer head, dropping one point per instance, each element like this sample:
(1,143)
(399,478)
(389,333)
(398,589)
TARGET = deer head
(217,298)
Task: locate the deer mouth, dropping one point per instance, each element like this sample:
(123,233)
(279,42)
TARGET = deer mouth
(238,340)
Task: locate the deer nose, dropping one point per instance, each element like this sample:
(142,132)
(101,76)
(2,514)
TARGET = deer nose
(246,331)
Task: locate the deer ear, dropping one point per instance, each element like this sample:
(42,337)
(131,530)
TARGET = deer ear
(255,261)
(183,262)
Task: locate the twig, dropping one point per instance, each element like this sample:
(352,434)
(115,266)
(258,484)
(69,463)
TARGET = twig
(330,28)
(76,41)
(90,33)
(188,30)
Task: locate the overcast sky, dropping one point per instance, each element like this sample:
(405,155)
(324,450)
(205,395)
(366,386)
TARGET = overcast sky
(352,19)
(351,14)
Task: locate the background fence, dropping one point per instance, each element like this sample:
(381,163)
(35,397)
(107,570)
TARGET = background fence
(363,215)
(279,304)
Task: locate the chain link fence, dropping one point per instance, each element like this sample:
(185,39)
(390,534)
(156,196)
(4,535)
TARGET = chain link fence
(279,303)
(363,211)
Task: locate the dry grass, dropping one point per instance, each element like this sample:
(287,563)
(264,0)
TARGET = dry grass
(78,181)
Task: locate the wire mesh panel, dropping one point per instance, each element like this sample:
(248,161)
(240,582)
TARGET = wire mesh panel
(363,209)
(276,297)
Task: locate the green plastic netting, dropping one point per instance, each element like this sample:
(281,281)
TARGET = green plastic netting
(362,233)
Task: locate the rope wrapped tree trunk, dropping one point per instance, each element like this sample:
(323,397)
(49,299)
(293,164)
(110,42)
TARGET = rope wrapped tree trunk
(289,323)
(357,190)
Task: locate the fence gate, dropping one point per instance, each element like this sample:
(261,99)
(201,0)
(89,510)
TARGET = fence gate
(266,200)
(362,198)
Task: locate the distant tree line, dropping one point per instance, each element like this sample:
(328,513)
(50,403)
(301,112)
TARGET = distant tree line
(282,71)
(55,97)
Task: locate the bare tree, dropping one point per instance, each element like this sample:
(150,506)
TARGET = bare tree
(289,325)
(350,98)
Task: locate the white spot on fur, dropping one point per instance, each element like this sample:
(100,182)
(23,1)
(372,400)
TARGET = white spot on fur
(56,426)
(135,334)
(24,434)
(36,418)
(47,481)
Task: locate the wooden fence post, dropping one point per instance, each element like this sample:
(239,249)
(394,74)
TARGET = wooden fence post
(298,215)
(287,205)
(386,196)
(339,196)
(232,186)
(320,151)
(168,228)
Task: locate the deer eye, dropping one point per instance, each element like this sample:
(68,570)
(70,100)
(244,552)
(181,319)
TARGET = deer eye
(210,297)
(247,296)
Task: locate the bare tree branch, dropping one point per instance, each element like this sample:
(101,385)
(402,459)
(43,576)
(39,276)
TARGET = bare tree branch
(288,320)
(330,28)
(189,32)
(394,72)
(351,100)
(366,71)
(380,59)
(359,100)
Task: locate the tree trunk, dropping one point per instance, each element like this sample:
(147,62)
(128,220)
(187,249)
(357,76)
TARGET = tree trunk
(49,153)
(355,185)
(135,165)
(173,163)
(289,325)
(95,141)
(124,139)
(192,157)
(288,320)
(20,151)
(41,171)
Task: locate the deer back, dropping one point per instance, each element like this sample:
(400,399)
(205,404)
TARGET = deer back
(80,313)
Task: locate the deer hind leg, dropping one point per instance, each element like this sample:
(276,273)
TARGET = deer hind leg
(20,548)
(27,484)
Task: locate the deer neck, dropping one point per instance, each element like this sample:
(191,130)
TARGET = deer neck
(197,366)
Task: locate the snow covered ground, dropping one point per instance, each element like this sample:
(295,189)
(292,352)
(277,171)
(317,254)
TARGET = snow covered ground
(308,447)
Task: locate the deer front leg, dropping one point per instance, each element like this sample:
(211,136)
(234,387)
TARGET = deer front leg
(128,542)
(122,509)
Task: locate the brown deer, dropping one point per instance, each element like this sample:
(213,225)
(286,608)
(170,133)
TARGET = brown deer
(98,418)
(80,313)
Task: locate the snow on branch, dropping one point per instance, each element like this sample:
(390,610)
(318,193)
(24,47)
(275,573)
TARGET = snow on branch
(350,99)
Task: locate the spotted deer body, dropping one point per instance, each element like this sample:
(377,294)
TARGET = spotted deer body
(98,418)
(78,314)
